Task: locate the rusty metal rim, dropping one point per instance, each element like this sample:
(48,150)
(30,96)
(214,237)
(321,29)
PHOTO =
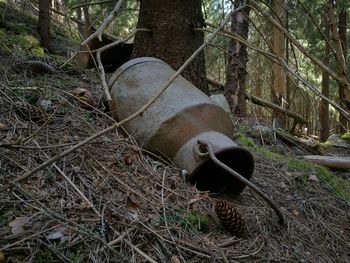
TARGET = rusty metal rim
(128,65)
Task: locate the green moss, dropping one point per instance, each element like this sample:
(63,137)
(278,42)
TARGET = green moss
(327,143)
(299,165)
(44,255)
(191,219)
(304,168)
(339,185)
(346,136)
(38,51)
(197,220)
(243,140)
(270,155)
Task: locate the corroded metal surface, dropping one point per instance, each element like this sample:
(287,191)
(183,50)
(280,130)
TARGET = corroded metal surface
(171,124)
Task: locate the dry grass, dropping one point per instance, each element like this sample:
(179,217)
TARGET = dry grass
(142,210)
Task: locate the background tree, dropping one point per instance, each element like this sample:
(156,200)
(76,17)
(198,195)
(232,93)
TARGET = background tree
(344,93)
(44,23)
(237,60)
(324,107)
(279,77)
(173,37)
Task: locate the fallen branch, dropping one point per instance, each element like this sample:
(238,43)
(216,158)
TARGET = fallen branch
(258,101)
(70,182)
(258,9)
(329,161)
(282,62)
(98,33)
(100,65)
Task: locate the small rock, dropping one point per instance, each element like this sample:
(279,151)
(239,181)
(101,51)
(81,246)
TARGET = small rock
(54,235)
(283,185)
(313,178)
(221,101)
(46,105)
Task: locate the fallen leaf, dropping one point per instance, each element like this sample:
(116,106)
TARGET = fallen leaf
(131,203)
(295,212)
(17,225)
(2,126)
(128,160)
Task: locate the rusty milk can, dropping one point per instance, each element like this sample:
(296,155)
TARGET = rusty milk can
(176,121)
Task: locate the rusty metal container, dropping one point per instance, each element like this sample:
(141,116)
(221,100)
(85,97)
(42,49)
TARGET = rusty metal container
(174,123)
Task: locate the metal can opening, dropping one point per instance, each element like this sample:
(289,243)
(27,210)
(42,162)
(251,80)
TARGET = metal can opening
(209,176)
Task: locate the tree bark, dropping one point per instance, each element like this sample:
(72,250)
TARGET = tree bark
(279,77)
(339,38)
(44,23)
(236,66)
(173,38)
(329,161)
(344,94)
(324,107)
(81,28)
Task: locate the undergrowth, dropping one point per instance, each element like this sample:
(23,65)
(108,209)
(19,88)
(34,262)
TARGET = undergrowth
(303,168)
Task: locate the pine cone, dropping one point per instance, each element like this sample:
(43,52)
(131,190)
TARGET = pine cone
(85,98)
(230,217)
(29,112)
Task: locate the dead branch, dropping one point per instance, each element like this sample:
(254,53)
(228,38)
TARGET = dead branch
(90,4)
(320,31)
(329,161)
(80,193)
(98,33)
(258,101)
(314,59)
(338,47)
(100,65)
(274,58)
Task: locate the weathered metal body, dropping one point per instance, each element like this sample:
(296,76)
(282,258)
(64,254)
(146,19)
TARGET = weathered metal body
(174,123)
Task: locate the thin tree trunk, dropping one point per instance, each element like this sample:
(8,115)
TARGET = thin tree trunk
(44,23)
(279,77)
(324,107)
(339,38)
(173,38)
(237,61)
(80,17)
(344,94)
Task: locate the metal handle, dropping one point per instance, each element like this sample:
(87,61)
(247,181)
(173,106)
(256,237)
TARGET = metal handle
(209,151)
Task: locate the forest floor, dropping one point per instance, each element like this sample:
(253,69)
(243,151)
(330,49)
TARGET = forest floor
(110,201)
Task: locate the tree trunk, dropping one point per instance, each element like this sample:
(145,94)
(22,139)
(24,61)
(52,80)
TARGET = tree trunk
(57,5)
(44,23)
(324,107)
(173,38)
(344,94)
(81,27)
(279,77)
(237,61)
